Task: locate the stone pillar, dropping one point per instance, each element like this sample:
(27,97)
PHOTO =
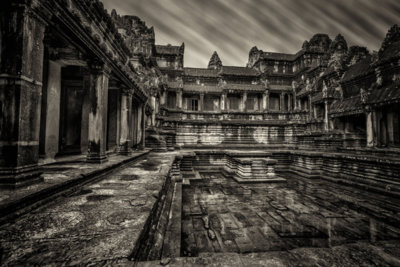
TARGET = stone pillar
(125,125)
(223,101)
(201,104)
(243,101)
(289,102)
(265,100)
(98,93)
(85,115)
(309,106)
(143,145)
(153,114)
(390,127)
(370,128)
(163,98)
(281,102)
(179,94)
(51,114)
(21,71)
(326,117)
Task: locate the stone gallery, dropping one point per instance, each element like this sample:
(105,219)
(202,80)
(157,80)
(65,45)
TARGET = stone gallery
(113,152)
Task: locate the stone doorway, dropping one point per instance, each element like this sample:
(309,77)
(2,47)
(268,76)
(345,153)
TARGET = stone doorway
(71,104)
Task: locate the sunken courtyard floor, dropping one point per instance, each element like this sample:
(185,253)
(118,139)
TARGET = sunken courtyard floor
(302,222)
(220,215)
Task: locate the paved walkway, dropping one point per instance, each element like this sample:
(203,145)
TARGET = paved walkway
(98,224)
(58,176)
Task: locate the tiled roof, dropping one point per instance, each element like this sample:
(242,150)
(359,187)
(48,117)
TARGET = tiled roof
(171,72)
(329,70)
(238,71)
(200,72)
(351,105)
(201,88)
(167,50)
(245,87)
(318,83)
(280,87)
(384,95)
(303,92)
(279,56)
(317,97)
(173,84)
(360,68)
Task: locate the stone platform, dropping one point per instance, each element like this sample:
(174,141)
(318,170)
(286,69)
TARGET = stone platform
(250,167)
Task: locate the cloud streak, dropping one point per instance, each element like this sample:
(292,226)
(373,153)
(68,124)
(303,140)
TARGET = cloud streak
(232,27)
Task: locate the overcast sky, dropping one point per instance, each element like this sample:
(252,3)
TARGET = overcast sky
(232,27)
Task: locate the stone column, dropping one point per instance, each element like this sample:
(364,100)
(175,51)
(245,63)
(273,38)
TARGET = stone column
(309,106)
(98,94)
(21,71)
(243,101)
(289,102)
(125,125)
(143,145)
(326,116)
(390,127)
(370,127)
(314,113)
(281,102)
(51,114)
(85,114)
(201,104)
(223,101)
(179,94)
(265,100)
(163,98)
(153,114)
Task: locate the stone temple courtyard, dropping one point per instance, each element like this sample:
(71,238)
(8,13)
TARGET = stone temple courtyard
(212,220)
(116,150)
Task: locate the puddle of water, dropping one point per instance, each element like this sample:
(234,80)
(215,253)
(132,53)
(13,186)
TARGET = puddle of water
(263,217)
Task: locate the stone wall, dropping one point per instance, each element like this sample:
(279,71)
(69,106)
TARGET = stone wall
(233,133)
(378,173)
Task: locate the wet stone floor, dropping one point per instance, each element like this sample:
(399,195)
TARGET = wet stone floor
(221,215)
(96,225)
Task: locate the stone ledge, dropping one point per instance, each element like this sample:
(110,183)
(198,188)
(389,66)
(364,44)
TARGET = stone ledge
(276,179)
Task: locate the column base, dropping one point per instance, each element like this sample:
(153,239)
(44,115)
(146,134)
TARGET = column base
(96,158)
(14,178)
(125,150)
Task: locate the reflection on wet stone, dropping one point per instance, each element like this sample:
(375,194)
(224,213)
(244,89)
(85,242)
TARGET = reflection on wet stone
(288,219)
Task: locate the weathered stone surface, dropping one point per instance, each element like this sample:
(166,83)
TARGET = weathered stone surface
(100,223)
(301,213)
